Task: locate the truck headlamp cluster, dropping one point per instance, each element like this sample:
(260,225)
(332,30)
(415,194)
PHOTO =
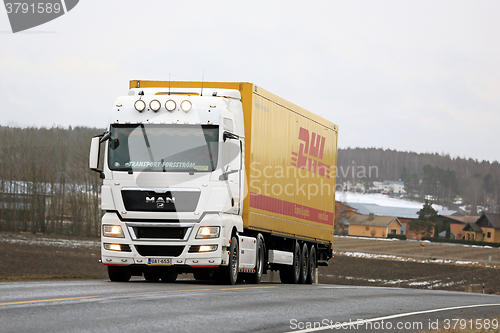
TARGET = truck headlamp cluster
(202,248)
(112,231)
(140,105)
(208,248)
(117,247)
(208,232)
(112,247)
(155,105)
(170,105)
(186,106)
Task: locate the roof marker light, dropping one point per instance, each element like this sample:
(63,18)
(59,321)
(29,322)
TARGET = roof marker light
(155,105)
(170,105)
(186,106)
(140,105)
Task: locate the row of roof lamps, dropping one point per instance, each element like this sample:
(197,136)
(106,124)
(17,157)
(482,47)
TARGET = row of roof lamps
(155,105)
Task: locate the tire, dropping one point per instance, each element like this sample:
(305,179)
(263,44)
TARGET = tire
(259,262)
(168,277)
(151,276)
(291,274)
(312,265)
(119,273)
(304,264)
(229,274)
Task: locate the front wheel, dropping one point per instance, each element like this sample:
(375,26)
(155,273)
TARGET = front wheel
(119,273)
(260,261)
(229,274)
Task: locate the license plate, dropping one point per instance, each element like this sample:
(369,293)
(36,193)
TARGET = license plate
(160,262)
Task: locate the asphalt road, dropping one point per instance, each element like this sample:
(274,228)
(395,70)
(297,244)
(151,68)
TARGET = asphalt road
(191,306)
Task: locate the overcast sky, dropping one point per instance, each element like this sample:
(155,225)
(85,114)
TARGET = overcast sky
(418,76)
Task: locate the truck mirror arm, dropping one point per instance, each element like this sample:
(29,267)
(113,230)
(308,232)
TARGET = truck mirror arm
(104,136)
(229,135)
(226,173)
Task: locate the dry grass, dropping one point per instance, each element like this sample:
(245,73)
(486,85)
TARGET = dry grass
(414,273)
(25,261)
(387,273)
(412,248)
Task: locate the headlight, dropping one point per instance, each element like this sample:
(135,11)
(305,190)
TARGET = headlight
(112,231)
(112,247)
(202,248)
(208,232)
(208,248)
(117,247)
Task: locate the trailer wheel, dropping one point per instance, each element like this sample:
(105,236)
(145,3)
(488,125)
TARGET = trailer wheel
(119,273)
(168,277)
(229,274)
(312,265)
(260,262)
(304,264)
(291,274)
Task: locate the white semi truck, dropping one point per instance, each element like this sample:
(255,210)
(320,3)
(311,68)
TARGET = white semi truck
(223,180)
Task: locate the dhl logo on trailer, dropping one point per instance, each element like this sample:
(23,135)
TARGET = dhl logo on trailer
(311,154)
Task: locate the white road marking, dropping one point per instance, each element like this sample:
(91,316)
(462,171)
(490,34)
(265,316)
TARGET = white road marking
(64,6)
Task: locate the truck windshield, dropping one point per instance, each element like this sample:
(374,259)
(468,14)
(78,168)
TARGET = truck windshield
(167,148)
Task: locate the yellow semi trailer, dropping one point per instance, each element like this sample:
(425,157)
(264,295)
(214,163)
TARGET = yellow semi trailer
(225,180)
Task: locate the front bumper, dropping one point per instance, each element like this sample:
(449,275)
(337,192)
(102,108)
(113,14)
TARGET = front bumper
(181,251)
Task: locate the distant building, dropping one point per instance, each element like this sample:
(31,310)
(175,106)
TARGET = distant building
(389,187)
(457,224)
(373,226)
(486,229)
(403,214)
(343,213)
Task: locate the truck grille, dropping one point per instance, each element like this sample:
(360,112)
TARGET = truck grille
(160,232)
(150,200)
(159,250)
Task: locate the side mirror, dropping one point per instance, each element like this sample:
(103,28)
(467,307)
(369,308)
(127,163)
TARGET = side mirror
(95,150)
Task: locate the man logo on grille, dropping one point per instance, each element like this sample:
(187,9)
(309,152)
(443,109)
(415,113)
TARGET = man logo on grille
(160,201)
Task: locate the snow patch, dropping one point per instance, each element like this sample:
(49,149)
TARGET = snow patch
(381,200)
(365,255)
(69,243)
